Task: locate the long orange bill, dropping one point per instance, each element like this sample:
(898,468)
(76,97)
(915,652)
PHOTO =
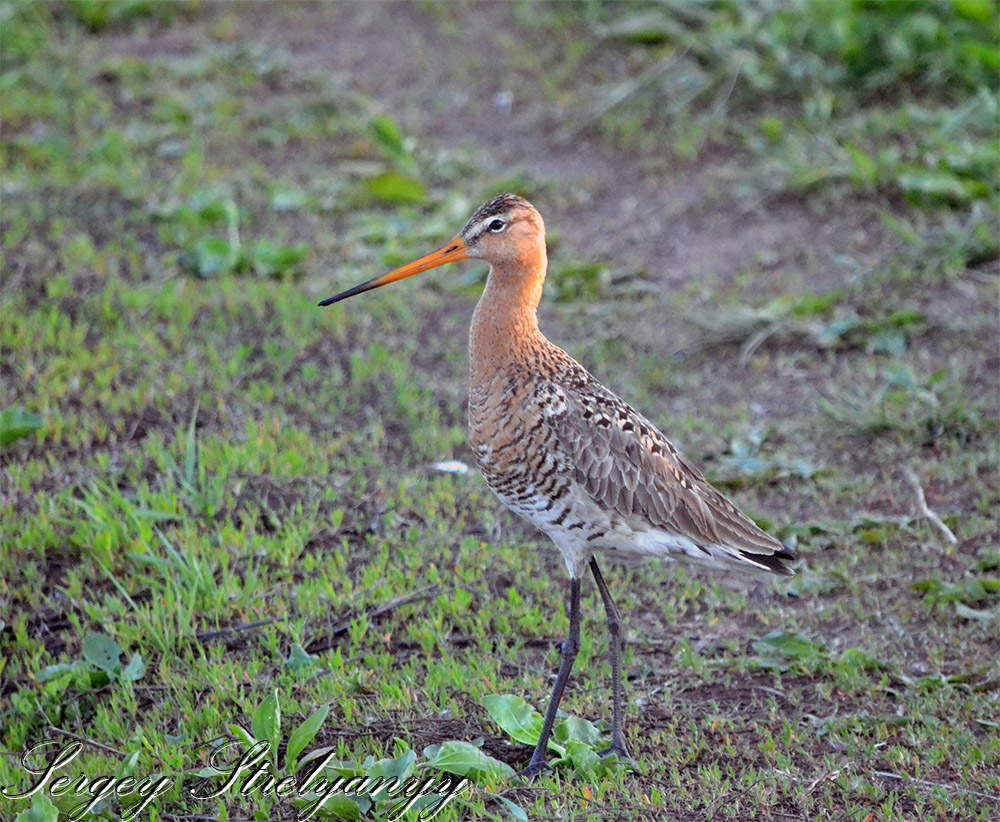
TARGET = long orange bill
(455,250)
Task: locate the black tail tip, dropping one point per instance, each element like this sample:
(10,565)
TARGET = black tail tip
(775,563)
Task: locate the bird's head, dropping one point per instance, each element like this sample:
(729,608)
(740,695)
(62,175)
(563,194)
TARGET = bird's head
(506,231)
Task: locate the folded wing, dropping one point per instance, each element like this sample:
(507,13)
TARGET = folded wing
(629,467)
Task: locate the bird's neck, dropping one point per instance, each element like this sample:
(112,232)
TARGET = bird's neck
(504,329)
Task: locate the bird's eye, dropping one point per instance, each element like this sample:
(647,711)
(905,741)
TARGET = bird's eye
(497,225)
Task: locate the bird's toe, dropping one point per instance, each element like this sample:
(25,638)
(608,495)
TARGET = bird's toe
(533,771)
(617,749)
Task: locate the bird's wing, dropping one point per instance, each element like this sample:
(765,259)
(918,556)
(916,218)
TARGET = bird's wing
(627,466)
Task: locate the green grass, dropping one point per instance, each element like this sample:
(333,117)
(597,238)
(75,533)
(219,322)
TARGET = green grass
(220,515)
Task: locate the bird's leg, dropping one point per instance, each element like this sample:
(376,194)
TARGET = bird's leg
(614,628)
(570,649)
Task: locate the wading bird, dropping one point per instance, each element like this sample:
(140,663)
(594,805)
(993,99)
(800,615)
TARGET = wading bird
(562,451)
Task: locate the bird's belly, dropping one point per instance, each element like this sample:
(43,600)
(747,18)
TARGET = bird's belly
(575,523)
(579,527)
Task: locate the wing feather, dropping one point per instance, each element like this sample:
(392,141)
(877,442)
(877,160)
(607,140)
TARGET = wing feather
(626,465)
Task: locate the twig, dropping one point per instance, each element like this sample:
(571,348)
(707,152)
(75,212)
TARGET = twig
(618,95)
(77,737)
(826,776)
(424,593)
(374,613)
(772,692)
(462,640)
(732,796)
(207,635)
(749,348)
(924,509)
(86,741)
(720,109)
(926,783)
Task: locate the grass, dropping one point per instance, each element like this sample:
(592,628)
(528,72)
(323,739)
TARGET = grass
(221,517)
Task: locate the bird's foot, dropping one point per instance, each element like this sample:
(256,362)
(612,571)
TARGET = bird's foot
(617,749)
(534,770)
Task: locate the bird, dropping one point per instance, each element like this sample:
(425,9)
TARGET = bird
(568,455)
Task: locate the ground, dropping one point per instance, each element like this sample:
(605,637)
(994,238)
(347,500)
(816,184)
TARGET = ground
(227,521)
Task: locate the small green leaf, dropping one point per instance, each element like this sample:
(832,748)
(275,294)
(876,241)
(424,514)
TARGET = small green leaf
(54,671)
(41,810)
(865,171)
(388,137)
(645,29)
(103,652)
(209,257)
(520,721)
(781,649)
(127,766)
(399,767)
(812,304)
(981,615)
(299,659)
(16,423)
(575,728)
(790,644)
(337,806)
(464,759)
(98,679)
(857,659)
(242,734)
(344,765)
(272,260)
(208,772)
(901,375)
(266,721)
(892,343)
(981,53)
(582,756)
(989,561)
(136,668)
(906,316)
(395,188)
(834,332)
(303,735)
(773,128)
(515,810)
(287,199)
(979,10)
(935,186)
(190,458)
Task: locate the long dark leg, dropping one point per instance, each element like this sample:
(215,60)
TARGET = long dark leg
(614,628)
(570,649)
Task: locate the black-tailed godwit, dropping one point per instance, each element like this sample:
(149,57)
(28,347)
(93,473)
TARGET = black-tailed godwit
(565,453)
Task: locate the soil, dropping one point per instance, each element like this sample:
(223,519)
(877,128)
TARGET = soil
(453,79)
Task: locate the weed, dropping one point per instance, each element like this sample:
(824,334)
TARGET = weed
(924,409)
